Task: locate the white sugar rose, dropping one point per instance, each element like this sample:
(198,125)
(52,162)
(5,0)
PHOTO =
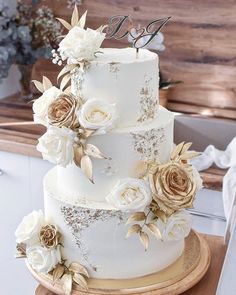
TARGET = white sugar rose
(130,195)
(178,226)
(80,44)
(97,114)
(42,259)
(56,145)
(28,230)
(41,105)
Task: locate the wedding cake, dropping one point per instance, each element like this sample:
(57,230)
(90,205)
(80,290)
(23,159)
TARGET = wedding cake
(115,201)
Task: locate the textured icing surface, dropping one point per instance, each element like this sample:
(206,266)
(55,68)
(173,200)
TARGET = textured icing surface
(118,76)
(128,148)
(94,232)
(96,237)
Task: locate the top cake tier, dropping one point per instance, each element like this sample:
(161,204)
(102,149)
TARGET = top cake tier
(122,77)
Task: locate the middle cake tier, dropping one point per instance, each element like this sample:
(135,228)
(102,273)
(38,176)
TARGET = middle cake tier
(128,149)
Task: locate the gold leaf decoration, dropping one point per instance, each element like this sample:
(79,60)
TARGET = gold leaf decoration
(82,20)
(175,153)
(68,90)
(87,167)
(93,151)
(67,283)
(78,154)
(144,239)
(76,267)
(134,229)
(38,85)
(160,214)
(88,132)
(66,69)
(152,183)
(138,216)
(189,155)
(20,250)
(186,147)
(46,83)
(154,230)
(64,23)
(65,80)
(80,280)
(58,272)
(75,20)
(75,17)
(101,28)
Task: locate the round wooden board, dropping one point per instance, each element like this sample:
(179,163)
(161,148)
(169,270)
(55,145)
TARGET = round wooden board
(175,279)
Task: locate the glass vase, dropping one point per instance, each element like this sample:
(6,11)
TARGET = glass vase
(25,82)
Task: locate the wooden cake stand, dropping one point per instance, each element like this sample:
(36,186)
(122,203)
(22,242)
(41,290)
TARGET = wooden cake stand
(175,279)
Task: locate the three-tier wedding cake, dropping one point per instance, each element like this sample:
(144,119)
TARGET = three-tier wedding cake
(114,202)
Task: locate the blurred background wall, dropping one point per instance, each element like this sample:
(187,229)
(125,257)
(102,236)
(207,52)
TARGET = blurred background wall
(200,42)
(10,85)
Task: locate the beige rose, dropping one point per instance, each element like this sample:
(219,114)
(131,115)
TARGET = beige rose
(49,236)
(174,187)
(62,111)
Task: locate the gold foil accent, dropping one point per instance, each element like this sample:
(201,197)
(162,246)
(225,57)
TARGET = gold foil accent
(77,78)
(114,68)
(148,102)
(78,219)
(110,167)
(147,143)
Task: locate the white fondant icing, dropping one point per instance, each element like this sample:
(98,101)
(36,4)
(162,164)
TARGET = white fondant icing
(127,147)
(118,76)
(94,232)
(95,235)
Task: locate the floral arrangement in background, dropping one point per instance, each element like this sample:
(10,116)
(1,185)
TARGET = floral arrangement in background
(41,242)
(70,3)
(7,48)
(35,33)
(157,201)
(25,37)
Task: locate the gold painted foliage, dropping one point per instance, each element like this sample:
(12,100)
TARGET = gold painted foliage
(20,250)
(83,152)
(145,226)
(74,273)
(44,85)
(181,153)
(75,20)
(173,186)
(62,112)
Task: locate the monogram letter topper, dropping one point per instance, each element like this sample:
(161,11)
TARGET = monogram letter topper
(121,26)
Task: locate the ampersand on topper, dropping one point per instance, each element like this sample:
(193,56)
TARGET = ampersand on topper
(121,26)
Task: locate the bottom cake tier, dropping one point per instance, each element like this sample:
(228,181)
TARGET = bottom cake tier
(95,235)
